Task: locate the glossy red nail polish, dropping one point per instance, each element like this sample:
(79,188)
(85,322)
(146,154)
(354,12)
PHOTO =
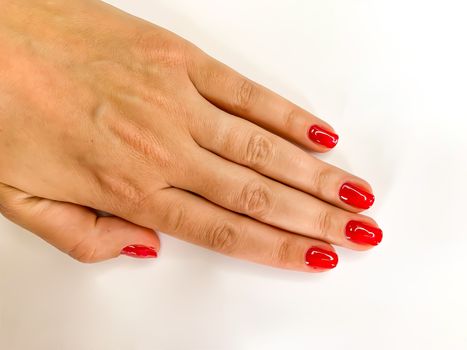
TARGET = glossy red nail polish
(321,258)
(322,136)
(356,196)
(139,251)
(361,233)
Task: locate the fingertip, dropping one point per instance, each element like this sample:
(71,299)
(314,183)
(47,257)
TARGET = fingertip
(323,138)
(146,245)
(139,251)
(357,194)
(120,237)
(321,258)
(363,233)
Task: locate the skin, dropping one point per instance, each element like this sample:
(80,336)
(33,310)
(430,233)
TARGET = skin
(102,110)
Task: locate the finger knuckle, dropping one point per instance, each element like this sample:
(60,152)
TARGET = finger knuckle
(222,237)
(160,47)
(323,225)
(256,199)
(281,253)
(260,151)
(245,95)
(84,251)
(122,194)
(319,180)
(140,143)
(290,118)
(9,208)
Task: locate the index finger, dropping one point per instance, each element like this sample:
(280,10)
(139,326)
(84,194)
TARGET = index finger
(238,95)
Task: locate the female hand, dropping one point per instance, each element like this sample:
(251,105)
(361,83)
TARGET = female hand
(99,109)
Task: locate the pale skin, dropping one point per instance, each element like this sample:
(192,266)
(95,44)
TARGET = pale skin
(102,110)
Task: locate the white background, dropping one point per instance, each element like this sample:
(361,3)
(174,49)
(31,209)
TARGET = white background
(391,77)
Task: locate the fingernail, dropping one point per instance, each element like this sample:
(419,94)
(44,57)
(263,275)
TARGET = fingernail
(321,258)
(361,233)
(356,196)
(322,136)
(139,251)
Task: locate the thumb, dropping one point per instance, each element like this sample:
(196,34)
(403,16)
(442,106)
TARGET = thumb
(77,230)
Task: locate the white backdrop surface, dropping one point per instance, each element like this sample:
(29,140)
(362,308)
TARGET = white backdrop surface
(390,76)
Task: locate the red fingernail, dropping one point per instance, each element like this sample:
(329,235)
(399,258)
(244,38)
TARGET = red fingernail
(321,258)
(362,233)
(356,196)
(139,251)
(322,136)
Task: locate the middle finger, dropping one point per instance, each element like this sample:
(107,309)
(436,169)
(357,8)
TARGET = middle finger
(247,144)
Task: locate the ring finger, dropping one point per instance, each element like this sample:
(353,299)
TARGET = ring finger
(244,191)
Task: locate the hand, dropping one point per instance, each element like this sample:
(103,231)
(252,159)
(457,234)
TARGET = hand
(102,110)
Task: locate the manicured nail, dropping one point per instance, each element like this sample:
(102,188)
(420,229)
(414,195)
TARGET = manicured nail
(322,136)
(361,233)
(321,258)
(139,251)
(356,196)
